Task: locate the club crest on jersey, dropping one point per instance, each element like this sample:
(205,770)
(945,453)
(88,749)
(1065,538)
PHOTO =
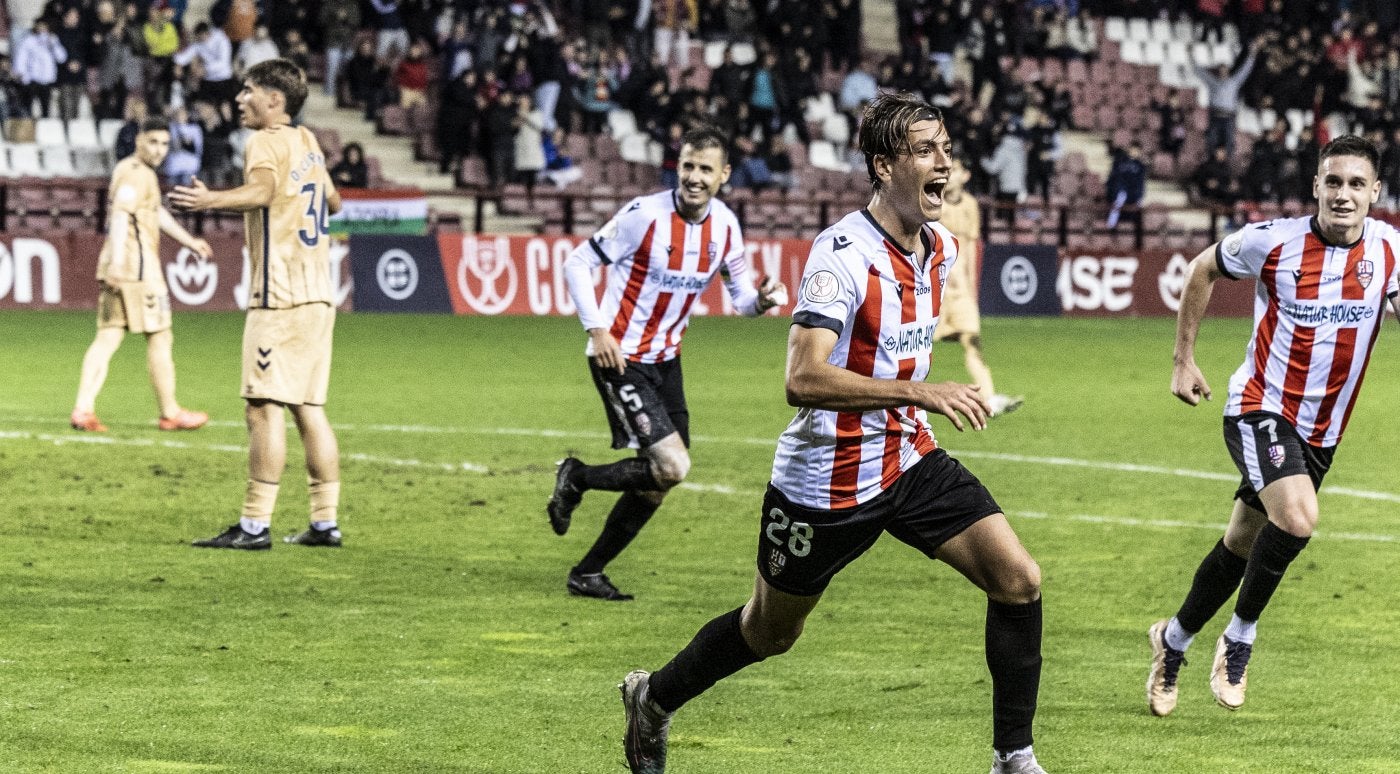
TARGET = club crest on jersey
(644,424)
(1365,270)
(821,288)
(712,249)
(777,560)
(942,274)
(1277,455)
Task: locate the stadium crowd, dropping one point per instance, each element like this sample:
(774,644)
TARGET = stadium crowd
(500,92)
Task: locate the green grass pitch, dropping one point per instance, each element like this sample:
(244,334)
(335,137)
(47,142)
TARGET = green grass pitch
(440,639)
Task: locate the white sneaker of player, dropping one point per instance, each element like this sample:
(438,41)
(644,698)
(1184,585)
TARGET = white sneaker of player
(1020,762)
(1005,404)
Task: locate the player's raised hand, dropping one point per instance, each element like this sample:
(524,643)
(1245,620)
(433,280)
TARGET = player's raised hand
(771,293)
(607,350)
(952,399)
(1189,384)
(190,197)
(202,247)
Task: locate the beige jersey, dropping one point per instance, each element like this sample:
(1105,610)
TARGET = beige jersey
(134,196)
(288,241)
(964,219)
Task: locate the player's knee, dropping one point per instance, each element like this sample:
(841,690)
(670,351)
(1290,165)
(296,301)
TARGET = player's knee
(766,642)
(1299,518)
(670,469)
(1017,584)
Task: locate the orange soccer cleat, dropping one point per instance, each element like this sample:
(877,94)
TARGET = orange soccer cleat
(184,419)
(86,421)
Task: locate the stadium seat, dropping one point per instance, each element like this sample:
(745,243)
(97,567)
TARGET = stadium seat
(49,132)
(25,160)
(393,121)
(1115,28)
(818,108)
(714,54)
(91,162)
(5,170)
(472,172)
(743,53)
(836,130)
(822,154)
(82,133)
(58,161)
(1138,29)
(621,123)
(107,131)
(633,147)
(1131,51)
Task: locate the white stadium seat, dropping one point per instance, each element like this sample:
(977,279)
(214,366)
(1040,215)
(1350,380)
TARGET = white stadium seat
(91,162)
(1115,28)
(621,123)
(5,169)
(82,133)
(49,132)
(633,148)
(58,161)
(25,160)
(1138,30)
(822,155)
(107,131)
(836,130)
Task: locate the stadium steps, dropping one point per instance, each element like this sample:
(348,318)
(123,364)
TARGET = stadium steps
(395,155)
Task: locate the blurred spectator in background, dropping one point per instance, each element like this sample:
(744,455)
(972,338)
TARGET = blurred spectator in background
(162,41)
(674,20)
(498,138)
(1223,97)
(211,47)
(351,171)
(126,137)
(529,158)
(1044,141)
(1008,166)
(1265,168)
(1171,125)
(72,74)
(390,33)
(259,48)
(365,78)
(11,93)
(594,91)
(750,167)
(340,21)
(294,47)
(559,168)
(763,95)
(217,161)
(237,17)
(780,164)
(122,73)
(1215,184)
(1127,183)
(671,154)
(183,162)
(36,65)
(284,16)
(411,76)
(456,52)
(459,110)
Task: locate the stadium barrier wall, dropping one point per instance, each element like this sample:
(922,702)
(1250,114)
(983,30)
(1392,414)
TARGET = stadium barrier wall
(58,270)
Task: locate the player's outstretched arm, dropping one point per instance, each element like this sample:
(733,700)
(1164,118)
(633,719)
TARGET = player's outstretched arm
(257,192)
(1188,383)
(169,225)
(812,382)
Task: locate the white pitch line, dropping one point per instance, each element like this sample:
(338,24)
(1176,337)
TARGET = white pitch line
(1117,467)
(471,467)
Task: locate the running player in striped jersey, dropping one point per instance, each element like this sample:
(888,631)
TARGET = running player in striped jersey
(133,296)
(1321,287)
(663,250)
(860,457)
(286,199)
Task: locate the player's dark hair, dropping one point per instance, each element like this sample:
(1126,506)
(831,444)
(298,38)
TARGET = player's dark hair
(884,127)
(706,136)
(280,75)
(154,125)
(1351,145)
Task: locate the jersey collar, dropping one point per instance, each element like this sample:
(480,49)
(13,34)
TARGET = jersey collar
(676,205)
(1317,232)
(923,236)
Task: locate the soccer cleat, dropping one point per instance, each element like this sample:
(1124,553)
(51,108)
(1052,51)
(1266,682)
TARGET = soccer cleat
(235,537)
(566,496)
(595,585)
(1161,680)
(86,421)
(644,742)
(328,538)
(1005,404)
(1020,762)
(184,419)
(1227,674)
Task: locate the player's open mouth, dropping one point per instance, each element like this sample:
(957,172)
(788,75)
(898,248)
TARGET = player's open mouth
(933,189)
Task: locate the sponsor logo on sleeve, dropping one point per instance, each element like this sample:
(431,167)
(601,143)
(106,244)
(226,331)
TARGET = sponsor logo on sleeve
(1233,244)
(821,287)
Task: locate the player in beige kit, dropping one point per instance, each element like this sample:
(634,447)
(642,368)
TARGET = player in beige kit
(133,296)
(286,199)
(960,318)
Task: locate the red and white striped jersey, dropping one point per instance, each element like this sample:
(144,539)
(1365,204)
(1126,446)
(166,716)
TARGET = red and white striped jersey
(1317,310)
(658,265)
(883,306)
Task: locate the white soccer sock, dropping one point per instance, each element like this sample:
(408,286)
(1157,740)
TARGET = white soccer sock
(322,526)
(252,526)
(1240,630)
(1177,638)
(1003,757)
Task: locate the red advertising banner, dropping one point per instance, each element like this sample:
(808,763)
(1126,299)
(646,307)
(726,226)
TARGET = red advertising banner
(57,270)
(1144,283)
(524,274)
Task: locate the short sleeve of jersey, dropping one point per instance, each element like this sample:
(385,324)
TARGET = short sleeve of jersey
(1242,254)
(619,237)
(260,153)
(128,191)
(828,294)
(1392,283)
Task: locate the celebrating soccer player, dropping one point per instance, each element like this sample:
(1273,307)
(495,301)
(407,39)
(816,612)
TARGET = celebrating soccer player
(663,249)
(133,295)
(860,458)
(286,200)
(1321,284)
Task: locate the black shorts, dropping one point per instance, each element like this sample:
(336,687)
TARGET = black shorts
(644,403)
(1266,447)
(801,549)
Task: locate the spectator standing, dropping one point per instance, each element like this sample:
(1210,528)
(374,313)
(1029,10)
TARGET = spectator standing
(214,51)
(1044,140)
(1008,164)
(1127,182)
(1215,184)
(126,137)
(72,75)
(411,77)
(365,79)
(674,21)
(182,163)
(295,49)
(498,135)
(339,24)
(240,20)
(559,169)
(390,33)
(36,65)
(1171,125)
(1223,90)
(529,142)
(122,73)
(763,94)
(457,51)
(458,114)
(162,41)
(11,93)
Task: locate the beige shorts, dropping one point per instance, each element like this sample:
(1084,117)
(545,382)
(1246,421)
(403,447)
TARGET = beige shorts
(287,354)
(135,306)
(957,315)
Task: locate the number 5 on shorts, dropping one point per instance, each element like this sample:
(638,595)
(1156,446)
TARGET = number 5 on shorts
(799,542)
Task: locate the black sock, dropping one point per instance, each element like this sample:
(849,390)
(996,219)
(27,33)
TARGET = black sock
(1273,551)
(1216,579)
(631,474)
(1013,657)
(628,516)
(717,651)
